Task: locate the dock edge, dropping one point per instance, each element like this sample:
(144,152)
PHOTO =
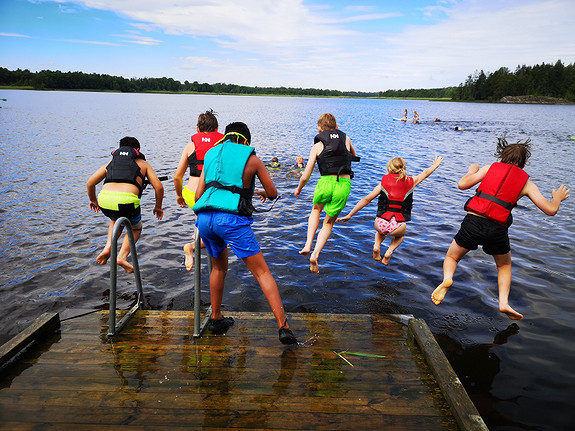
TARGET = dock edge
(463,409)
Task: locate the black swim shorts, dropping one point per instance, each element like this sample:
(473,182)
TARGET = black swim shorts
(475,231)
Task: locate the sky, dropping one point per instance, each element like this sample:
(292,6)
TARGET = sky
(360,45)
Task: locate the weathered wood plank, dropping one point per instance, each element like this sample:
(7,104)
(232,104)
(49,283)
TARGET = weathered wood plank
(43,324)
(463,409)
(154,374)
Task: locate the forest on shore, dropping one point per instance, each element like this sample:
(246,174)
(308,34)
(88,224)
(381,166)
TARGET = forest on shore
(544,80)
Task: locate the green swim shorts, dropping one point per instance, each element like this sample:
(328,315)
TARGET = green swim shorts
(332,193)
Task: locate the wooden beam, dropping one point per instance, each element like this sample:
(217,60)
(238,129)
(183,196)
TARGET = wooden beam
(43,324)
(465,413)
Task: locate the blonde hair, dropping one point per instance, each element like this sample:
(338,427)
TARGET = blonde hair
(327,122)
(397,166)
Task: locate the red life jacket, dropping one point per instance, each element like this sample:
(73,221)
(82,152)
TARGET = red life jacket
(498,193)
(202,142)
(396,198)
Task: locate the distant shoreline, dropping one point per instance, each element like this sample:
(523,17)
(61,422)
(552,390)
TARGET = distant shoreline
(530,99)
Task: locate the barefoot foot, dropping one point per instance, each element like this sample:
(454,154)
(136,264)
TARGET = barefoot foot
(102,259)
(376,255)
(385,259)
(189,252)
(313,266)
(440,291)
(511,313)
(304,251)
(126,265)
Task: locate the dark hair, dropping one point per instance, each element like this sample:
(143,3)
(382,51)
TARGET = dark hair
(242,129)
(207,122)
(514,154)
(129,141)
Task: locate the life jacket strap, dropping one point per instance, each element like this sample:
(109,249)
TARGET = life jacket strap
(507,205)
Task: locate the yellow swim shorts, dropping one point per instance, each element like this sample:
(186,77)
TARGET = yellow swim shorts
(189,196)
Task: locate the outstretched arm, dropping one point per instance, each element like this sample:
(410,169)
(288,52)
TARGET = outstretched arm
(361,204)
(549,207)
(269,191)
(308,169)
(158,190)
(473,176)
(427,172)
(96,178)
(179,175)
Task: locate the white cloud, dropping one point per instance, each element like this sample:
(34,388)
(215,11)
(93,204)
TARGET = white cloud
(14,35)
(310,45)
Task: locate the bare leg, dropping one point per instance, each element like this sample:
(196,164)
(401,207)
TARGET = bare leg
(452,258)
(503,262)
(379,237)
(103,257)
(261,272)
(398,235)
(312,225)
(189,253)
(217,277)
(322,238)
(122,259)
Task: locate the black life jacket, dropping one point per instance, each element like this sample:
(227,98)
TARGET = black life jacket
(335,159)
(124,169)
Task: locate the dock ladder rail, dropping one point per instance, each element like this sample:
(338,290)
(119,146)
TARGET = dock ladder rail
(114,328)
(199,327)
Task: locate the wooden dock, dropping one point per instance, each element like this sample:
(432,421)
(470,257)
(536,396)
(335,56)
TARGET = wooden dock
(349,372)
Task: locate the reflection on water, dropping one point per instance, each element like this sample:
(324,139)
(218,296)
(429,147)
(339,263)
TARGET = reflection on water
(50,142)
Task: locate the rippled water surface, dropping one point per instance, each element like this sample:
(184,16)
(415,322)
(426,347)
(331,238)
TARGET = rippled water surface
(520,376)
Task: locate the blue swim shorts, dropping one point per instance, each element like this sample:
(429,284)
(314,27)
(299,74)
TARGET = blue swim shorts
(219,229)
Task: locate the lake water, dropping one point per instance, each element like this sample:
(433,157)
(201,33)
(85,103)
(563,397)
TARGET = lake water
(520,375)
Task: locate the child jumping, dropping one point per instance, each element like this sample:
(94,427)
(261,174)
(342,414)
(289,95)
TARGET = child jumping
(224,209)
(124,179)
(334,153)
(489,216)
(395,192)
(193,157)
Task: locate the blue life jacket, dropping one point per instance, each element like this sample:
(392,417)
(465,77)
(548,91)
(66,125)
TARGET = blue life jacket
(224,167)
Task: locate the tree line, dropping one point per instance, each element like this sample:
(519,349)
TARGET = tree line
(556,80)
(56,80)
(552,80)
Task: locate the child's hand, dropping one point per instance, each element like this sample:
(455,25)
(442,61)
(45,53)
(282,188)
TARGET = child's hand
(437,161)
(94,206)
(343,219)
(472,169)
(561,194)
(181,202)
(159,213)
(262,194)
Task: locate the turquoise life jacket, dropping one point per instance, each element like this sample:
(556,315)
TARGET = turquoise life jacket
(224,167)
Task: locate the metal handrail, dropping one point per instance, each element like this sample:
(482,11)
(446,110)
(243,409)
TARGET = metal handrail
(114,328)
(199,327)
